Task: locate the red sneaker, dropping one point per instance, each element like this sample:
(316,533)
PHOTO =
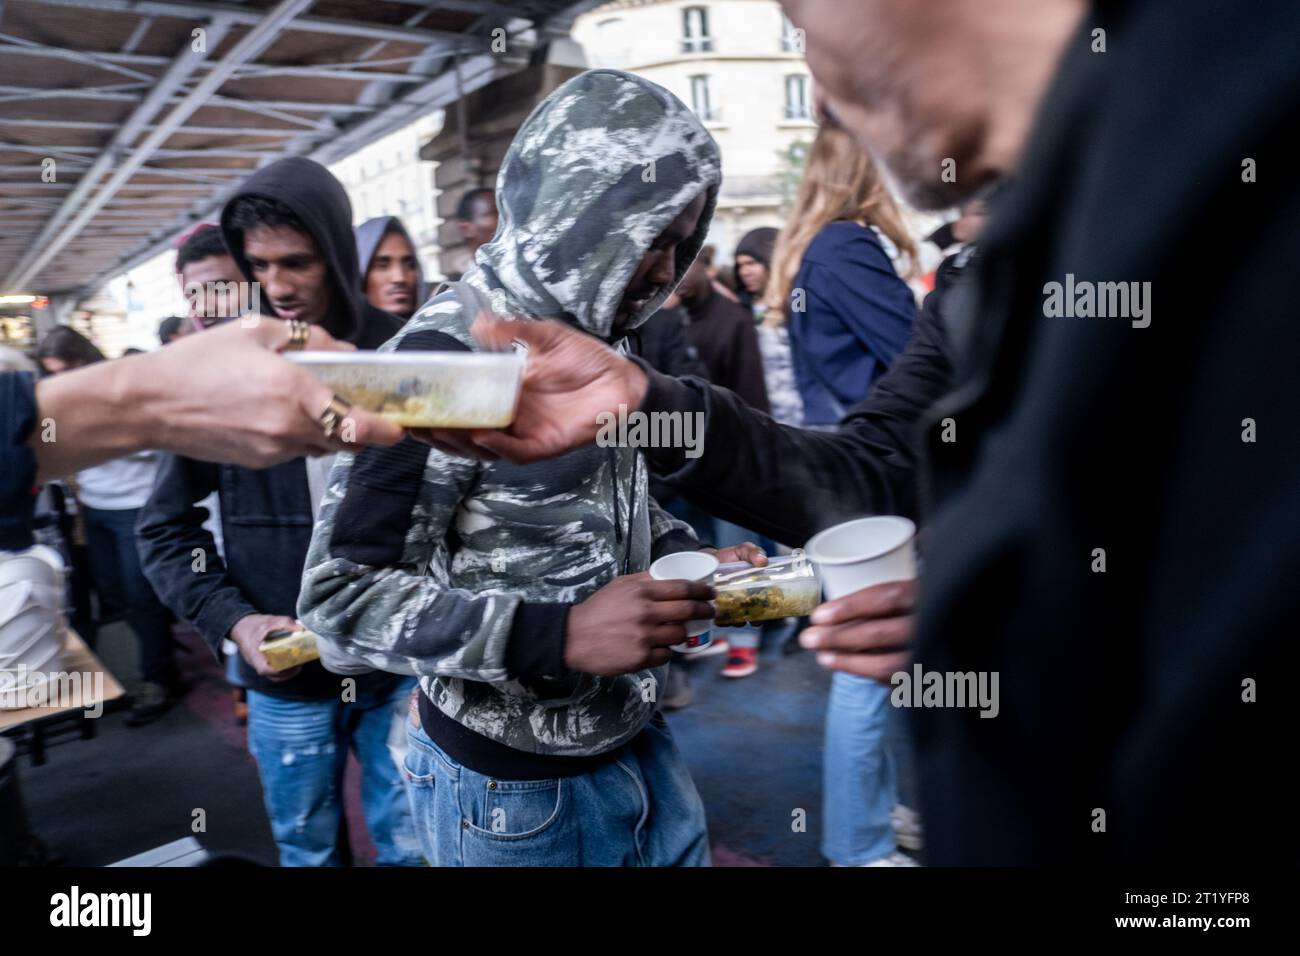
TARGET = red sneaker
(742,662)
(719,645)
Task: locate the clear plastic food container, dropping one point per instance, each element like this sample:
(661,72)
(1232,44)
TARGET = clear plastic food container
(285,649)
(424,389)
(785,587)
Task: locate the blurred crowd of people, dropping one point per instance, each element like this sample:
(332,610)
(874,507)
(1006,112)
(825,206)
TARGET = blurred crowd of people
(128,527)
(487,599)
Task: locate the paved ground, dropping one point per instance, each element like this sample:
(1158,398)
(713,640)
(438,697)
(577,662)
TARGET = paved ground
(753,745)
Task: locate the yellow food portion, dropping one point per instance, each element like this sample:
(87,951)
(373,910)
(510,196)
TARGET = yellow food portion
(421,411)
(290,651)
(418,419)
(745,606)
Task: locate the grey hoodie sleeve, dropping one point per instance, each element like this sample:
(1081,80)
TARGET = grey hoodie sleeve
(375,584)
(376,580)
(668,535)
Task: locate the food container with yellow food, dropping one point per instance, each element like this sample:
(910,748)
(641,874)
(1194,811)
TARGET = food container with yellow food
(284,649)
(424,389)
(784,587)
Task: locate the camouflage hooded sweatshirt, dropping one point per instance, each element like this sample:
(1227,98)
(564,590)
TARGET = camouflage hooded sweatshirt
(462,572)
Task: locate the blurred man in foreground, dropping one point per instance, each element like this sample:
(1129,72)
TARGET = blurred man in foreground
(1099,503)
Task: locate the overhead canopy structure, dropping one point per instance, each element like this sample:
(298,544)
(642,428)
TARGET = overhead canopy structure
(123,121)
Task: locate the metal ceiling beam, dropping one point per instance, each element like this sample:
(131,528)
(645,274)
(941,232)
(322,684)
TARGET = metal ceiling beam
(207,153)
(428,93)
(213,177)
(470,6)
(332,73)
(47,150)
(49,239)
(83,56)
(137,34)
(37,184)
(111,95)
(198,130)
(250,16)
(249,47)
(21,46)
(475,73)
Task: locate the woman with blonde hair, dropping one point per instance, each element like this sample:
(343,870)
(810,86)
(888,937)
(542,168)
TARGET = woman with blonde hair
(835,289)
(834,283)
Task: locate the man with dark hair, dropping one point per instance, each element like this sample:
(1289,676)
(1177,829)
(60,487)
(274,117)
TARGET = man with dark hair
(288,228)
(390,269)
(209,278)
(476,217)
(753,263)
(171,328)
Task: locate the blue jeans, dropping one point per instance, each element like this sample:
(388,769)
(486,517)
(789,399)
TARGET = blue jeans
(301,748)
(640,809)
(866,754)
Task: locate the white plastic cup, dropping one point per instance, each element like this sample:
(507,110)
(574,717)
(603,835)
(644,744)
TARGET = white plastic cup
(864,552)
(688,566)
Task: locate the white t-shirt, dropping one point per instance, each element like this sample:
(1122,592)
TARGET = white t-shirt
(120,484)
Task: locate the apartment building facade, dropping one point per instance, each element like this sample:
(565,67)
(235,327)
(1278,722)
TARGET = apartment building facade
(739,65)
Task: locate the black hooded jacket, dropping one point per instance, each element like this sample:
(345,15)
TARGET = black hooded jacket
(266,513)
(320,201)
(758,244)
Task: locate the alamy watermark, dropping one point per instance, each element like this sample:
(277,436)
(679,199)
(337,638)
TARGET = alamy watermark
(22,688)
(1102,300)
(652,430)
(922,688)
(129,910)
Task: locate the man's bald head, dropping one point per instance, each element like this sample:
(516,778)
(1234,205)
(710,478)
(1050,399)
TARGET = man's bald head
(921,84)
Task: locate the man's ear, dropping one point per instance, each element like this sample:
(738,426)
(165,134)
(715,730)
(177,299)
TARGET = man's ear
(465,229)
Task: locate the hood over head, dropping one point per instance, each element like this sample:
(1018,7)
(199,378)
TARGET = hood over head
(321,202)
(757,244)
(598,170)
(369,235)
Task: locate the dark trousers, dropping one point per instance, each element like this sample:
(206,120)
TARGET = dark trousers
(121,585)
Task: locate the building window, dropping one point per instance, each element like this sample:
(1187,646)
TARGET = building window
(791,37)
(611,43)
(702,99)
(796,97)
(695,30)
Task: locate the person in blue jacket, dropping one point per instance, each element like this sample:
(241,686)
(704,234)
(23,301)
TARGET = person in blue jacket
(848,313)
(834,282)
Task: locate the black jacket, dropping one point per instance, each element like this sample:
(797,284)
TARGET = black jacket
(1124,690)
(661,340)
(723,333)
(806,480)
(18,474)
(266,513)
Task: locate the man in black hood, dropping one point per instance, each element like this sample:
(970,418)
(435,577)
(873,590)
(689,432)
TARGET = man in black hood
(390,269)
(753,265)
(289,229)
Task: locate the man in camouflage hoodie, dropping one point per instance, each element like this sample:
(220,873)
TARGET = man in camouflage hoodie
(515,593)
